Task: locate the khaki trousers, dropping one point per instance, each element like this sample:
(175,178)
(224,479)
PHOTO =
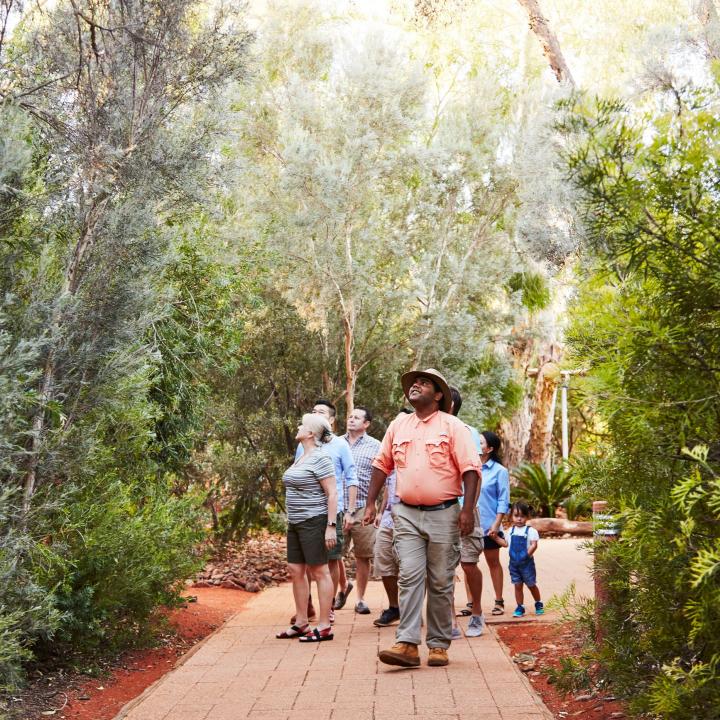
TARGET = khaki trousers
(428,546)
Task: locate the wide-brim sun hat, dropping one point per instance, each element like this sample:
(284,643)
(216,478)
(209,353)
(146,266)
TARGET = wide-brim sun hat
(409,378)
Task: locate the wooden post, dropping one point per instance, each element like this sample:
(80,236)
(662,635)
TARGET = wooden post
(604,530)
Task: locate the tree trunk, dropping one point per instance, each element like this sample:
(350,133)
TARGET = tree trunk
(539,442)
(350,371)
(516,431)
(349,318)
(550,45)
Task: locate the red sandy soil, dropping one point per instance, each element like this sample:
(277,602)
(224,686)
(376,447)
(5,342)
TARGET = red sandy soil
(135,670)
(547,641)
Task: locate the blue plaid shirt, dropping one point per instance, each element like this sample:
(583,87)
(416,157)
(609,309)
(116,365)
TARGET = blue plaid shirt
(363,451)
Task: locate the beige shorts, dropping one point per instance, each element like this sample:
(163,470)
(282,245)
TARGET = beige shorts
(471,546)
(363,537)
(386,560)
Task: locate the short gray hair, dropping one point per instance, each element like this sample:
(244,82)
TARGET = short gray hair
(319,426)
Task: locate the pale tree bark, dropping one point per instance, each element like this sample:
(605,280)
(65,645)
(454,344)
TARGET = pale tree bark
(550,45)
(539,442)
(349,320)
(345,294)
(515,431)
(527,436)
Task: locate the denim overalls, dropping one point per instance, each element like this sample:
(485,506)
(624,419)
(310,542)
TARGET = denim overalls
(522,565)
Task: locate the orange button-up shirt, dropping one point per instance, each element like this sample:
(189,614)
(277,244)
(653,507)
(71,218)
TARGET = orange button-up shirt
(429,457)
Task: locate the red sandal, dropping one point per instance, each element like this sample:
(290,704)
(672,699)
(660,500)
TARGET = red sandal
(315,635)
(293,632)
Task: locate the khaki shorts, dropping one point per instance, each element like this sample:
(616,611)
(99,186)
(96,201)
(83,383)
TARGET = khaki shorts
(471,546)
(386,562)
(363,537)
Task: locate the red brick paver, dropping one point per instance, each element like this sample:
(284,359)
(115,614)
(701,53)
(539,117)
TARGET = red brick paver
(242,671)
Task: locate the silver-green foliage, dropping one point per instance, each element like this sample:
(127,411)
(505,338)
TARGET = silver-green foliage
(371,170)
(110,122)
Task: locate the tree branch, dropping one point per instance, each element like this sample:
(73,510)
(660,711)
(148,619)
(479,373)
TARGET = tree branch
(550,45)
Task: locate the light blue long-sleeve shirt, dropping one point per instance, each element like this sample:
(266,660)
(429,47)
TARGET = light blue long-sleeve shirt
(494,494)
(345,476)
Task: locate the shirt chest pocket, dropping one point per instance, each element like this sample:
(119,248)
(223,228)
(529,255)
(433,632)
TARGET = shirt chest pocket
(438,451)
(400,449)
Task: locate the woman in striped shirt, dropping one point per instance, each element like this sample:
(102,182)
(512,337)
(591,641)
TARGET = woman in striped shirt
(311,506)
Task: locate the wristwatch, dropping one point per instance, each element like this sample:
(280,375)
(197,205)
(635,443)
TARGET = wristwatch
(332,524)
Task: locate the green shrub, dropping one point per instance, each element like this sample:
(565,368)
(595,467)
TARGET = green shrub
(13,651)
(661,645)
(570,675)
(544,492)
(118,554)
(534,289)
(87,569)
(28,611)
(645,324)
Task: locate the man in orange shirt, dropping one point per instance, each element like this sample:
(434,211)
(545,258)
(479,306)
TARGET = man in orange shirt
(433,455)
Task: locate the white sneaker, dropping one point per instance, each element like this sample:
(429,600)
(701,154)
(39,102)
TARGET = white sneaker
(476,626)
(456,634)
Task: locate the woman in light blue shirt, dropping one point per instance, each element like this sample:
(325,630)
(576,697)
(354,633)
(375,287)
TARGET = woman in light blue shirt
(494,502)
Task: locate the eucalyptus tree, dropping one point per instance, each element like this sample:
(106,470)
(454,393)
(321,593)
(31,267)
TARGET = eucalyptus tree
(330,137)
(112,92)
(377,193)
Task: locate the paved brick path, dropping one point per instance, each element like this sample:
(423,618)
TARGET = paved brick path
(242,671)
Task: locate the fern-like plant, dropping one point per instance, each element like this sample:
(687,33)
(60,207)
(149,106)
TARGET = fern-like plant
(544,491)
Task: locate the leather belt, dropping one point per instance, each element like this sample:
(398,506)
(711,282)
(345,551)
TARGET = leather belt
(430,508)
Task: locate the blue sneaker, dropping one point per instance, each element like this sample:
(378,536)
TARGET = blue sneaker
(539,608)
(519,611)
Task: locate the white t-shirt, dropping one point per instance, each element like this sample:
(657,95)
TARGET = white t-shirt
(530,533)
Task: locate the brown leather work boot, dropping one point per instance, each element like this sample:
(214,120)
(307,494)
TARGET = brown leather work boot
(438,657)
(402,654)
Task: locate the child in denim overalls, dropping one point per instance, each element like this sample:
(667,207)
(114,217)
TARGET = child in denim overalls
(523,541)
